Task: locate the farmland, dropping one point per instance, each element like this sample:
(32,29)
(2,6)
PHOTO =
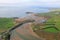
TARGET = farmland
(53,23)
(6,23)
(51,28)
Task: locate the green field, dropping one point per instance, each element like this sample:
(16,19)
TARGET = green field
(55,19)
(6,23)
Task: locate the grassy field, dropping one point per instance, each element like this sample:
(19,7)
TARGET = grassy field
(55,19)
(6,23)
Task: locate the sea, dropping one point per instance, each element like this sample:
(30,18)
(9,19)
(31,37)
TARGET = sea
(8,11)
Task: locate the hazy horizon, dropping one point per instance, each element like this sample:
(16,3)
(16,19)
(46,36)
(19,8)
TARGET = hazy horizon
(17,8)
(19,11)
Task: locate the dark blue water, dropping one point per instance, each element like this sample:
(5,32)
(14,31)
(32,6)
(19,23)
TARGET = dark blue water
(20,11)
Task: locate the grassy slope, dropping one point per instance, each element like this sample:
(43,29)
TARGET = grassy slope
(54,20)
(5,24)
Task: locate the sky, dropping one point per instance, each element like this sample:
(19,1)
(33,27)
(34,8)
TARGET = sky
(47,3)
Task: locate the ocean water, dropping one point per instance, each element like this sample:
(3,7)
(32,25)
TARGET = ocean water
(20,11)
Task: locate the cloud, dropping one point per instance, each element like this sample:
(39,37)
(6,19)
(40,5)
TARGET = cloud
(13,1)
(29,3)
